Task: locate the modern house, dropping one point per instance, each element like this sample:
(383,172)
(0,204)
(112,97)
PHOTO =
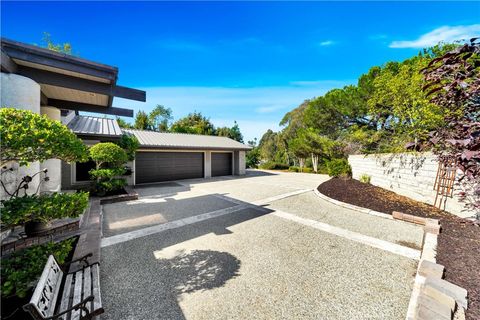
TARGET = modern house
(60,86)
(161,156)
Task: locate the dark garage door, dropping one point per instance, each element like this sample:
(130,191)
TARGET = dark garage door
(221,164)
(165,166)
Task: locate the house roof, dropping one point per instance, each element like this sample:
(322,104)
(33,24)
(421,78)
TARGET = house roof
(66,81)
(95,126)
(164,140)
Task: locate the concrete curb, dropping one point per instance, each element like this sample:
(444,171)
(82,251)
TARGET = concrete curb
(352,207)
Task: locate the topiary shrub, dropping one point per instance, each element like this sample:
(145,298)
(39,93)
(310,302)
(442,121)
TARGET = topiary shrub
(339,167)
(109,159)
(22,268)
(44,208)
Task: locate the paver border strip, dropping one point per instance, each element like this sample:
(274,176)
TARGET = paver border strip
(353,207)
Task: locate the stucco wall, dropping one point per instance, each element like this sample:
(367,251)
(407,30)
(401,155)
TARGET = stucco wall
(53,166)
(241,162)
(21,93)
(408,174)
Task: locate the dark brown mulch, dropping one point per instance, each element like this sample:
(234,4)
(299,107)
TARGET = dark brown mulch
(458,244)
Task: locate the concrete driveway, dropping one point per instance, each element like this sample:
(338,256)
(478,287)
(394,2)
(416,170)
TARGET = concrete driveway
(263,246)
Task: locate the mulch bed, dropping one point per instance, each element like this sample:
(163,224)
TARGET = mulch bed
(458,243)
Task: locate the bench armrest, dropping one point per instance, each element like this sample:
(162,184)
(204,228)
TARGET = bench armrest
(81,305)
(83,259)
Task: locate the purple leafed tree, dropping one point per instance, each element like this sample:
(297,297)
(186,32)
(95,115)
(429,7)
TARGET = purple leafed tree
(453,83)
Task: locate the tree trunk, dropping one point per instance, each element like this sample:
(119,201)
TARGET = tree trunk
(315,162)
(301,162)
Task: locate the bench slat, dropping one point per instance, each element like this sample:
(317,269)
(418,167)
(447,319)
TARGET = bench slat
(87,287)
(66,296)
(97,301)
(77,294)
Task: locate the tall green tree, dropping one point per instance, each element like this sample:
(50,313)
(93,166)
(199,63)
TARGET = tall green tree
(123,124)
(232,133)
(142,122)
(159,118)
(194,123)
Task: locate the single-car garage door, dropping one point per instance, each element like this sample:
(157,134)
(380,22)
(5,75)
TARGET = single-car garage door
(221,164)
(166,166)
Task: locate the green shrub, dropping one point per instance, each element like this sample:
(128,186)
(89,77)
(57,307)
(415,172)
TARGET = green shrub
(107,153)
(111,185)
(109,158)
(130,144)
(106,173)
(27,137)
(365,178)
(338,167)
(274,166)
(44,208)
(294,169)
(307,170)
(22,268)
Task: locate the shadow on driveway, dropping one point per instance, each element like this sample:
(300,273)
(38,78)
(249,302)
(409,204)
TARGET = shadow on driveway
(138,282)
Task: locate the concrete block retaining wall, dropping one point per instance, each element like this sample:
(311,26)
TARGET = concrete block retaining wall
(408,174)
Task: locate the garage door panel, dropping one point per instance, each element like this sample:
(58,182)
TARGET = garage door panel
(166,166)
(221,164)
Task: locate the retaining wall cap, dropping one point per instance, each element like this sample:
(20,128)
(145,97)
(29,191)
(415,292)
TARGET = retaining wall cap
(424,313)
(428,268)
(439,296)
(454,291)
(434,305)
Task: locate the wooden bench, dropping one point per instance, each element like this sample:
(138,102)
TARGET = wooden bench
(66,296)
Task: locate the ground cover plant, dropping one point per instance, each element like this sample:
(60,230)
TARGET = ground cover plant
(458,243)
(20,271)
(42,208)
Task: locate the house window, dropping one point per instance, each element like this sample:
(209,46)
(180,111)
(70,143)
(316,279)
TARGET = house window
(82,169)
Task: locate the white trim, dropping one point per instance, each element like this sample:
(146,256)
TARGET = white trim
(353,236)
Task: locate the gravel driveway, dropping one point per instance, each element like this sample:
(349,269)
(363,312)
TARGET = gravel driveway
(217,249)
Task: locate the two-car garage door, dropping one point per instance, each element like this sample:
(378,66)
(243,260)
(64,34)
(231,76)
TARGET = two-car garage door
(167,166)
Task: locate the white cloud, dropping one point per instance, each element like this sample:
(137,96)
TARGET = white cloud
(445,34)
(256,109)
(327,43)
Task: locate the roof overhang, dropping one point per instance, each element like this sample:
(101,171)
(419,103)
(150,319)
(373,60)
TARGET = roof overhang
(192,148)
(68,82)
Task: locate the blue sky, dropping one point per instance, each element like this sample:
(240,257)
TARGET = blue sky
(245,61)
